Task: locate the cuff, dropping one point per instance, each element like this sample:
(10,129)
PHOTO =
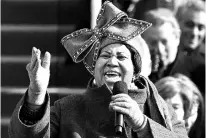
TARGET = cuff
(142,126)
(143,130)
(31,116)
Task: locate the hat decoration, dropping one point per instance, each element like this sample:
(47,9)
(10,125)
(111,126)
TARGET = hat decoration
(112,23)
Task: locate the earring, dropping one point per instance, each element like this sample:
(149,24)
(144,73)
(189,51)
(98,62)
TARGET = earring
(132,84)
(133,78)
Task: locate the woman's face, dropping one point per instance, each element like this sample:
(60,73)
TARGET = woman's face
(194,113)
(177,104)
(114,64)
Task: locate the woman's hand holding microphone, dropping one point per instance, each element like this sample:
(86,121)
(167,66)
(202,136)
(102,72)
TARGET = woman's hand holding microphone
(124,104)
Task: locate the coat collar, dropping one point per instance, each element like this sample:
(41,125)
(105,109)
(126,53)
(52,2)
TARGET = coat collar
(97,102)
(102,94)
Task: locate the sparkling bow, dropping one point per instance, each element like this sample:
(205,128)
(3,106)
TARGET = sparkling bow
(112,23)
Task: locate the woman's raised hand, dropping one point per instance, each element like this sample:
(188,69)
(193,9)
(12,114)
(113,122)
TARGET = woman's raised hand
(39,74)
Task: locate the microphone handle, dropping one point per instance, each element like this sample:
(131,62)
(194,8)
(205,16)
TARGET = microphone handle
(119,122)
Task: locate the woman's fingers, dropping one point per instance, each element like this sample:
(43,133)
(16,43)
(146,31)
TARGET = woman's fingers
(33,58)
(46,60)
(123,103)
(120,104)
(28,67)
(120,109)
(38,60)
(121,97)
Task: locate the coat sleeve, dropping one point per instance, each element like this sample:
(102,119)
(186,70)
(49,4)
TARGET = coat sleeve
(155,130)
(17,129)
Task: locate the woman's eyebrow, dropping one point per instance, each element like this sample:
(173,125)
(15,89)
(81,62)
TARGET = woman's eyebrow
(118,53)
(176,104)
(122,53)
(108,52)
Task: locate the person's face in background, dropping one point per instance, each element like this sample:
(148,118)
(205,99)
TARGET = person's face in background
(162,42)
(114,64)
(193,115)
(193,29)
(170,4)
(177,103)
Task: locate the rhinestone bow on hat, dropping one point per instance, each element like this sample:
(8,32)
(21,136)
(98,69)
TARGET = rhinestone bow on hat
(112,25)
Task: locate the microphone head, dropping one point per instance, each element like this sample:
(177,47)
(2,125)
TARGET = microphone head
(120,87)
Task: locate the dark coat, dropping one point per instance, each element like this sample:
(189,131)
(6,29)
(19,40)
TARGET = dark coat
(88,116)
(192,65)
(178,66)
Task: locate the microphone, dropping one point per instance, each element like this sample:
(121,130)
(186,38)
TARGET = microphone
(119,87)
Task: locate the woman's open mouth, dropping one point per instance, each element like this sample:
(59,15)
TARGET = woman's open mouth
(112,76)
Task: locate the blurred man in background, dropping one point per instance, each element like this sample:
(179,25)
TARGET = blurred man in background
(163,39)
(192,21)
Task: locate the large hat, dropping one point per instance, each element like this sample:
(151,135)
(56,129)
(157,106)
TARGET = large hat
(113,26)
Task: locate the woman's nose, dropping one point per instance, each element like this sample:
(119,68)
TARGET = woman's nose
(113,61)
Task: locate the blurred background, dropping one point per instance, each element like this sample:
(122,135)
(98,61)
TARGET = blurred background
(39,23)
(42,24)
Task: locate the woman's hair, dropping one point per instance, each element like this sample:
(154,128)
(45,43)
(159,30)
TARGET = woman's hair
(195,5)
(179,83)
(146,60)
(170,86)
(197,129)
(184,79)
(141,66)
(136,59)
